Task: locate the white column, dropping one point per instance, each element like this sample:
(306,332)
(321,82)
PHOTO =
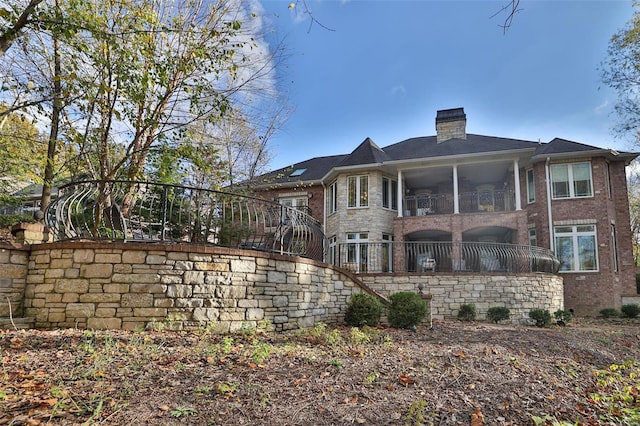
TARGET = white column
(516,178)
(400,192)
(456,202)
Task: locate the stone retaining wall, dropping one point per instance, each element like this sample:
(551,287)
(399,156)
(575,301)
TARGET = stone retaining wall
(138,285)
(135,285)
(13,278)
(520,293)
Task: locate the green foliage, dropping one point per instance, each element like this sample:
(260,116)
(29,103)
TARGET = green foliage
(631,310)
(407,309)
(609,312)
(467,312)
(563,317)
(542,317)
(498,313)
(363,309)
(616,393)
(10,220)
(179,412)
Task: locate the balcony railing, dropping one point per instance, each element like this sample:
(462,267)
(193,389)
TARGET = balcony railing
(438,256)
(468,202)
(144,211)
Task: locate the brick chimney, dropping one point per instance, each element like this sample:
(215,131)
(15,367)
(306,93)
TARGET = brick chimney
(451,124)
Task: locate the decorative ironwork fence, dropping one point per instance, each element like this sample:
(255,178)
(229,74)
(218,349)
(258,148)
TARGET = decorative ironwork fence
(439,256)
(145,211)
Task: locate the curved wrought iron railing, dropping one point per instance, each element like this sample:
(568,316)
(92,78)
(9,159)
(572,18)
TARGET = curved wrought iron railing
(146,211)
(445,256)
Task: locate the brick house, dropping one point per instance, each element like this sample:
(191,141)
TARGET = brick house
(457,202)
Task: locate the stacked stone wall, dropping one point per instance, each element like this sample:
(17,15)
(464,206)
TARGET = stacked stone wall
(13,278)
(519,293)
(137,285)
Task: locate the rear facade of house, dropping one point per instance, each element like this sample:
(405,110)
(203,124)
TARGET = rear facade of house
(456,202)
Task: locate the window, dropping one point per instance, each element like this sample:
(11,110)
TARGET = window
(614,249)
(332,197)
(387,253)
(531,187)
(389,194)
(299,203)
(357,252)
(607,179)
(571,180)
(533,238)
(331,253)
(576,247)
(297,172)
(358,191)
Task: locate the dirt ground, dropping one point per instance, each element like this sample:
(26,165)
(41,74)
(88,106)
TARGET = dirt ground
(454,374)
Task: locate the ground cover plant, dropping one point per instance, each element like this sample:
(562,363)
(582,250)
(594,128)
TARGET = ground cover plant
(457,373)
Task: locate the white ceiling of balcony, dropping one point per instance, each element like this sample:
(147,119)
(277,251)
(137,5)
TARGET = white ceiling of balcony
(476,173)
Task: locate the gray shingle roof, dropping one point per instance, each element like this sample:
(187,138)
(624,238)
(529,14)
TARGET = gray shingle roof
(423,147)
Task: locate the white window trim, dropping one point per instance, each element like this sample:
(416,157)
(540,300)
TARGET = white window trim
(531,197)
(332,197)
(388,183)
(576,255)
(358,194)
(571,181)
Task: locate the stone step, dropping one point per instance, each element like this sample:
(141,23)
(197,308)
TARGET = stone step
(21,323)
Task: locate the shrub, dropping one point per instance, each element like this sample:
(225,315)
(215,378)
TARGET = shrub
(609,312)
(542,317)
(406,310)
(467,312)
(631,310)
(498,313)
(563,317)
(363,309)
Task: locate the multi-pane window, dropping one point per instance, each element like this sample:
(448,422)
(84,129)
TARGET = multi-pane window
(332,197)
(357,251)
(531,187)
(331,252)
(576,247)
(533,237)
(387,253)
(358,191)
(299,203)
(389,194)
(571,180)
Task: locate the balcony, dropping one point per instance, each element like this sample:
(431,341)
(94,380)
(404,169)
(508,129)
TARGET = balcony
(482,201)
(428,257)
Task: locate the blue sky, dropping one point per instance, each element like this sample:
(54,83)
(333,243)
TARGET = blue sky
(388,66)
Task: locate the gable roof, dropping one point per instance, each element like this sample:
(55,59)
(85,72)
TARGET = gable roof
(564,148)
(366,153)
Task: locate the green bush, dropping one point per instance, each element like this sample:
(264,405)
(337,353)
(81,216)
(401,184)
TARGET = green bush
(7,221)
(542,317)
(563,317)
(467,312)
(498,313)
(406,310)
(363,309)
(609,312)
(631,310)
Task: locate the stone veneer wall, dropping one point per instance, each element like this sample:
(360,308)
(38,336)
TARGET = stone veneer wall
(13,278)
(519,293)
(136,285)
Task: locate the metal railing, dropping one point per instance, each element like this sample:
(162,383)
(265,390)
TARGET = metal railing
(439,256)
(468,202)
(145,211)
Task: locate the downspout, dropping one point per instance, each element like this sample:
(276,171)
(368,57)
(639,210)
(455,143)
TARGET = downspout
(549,214)
(324,221)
